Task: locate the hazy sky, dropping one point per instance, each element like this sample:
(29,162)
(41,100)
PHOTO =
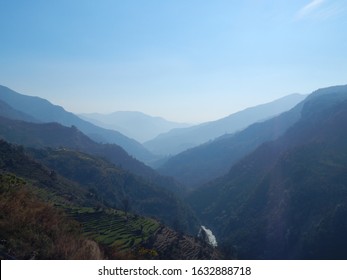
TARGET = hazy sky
(185,60)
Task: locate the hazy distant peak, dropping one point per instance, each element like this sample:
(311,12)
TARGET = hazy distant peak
(178,140)
(329,90)
(134,124)
(44,111)
(126,114)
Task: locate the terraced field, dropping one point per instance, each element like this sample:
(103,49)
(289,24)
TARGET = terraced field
(114,228)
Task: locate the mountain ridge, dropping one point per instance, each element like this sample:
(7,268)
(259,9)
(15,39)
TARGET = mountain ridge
(47,216)
(44,111)
(133,124)
(178,140)
(210,160)
(10,113)
(286,199)
(54,135)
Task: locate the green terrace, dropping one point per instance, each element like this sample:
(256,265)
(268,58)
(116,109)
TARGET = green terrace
(114,228)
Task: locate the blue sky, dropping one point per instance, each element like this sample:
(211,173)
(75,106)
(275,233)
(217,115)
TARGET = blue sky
(185,60)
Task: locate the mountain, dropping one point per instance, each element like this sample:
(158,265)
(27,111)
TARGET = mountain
(43,111)
(45,215)
(208,161)
(28,226)
(118,188)
(55,136)
(178,140)
(288,198)
(135,125)
(8,112)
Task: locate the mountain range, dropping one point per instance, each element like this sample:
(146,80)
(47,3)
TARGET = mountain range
(287,199)
(272,189)
(43,111)
(36,109)
(208,161)
(45,215)
(181,139)
(54,135)
(136,125)
(75,156)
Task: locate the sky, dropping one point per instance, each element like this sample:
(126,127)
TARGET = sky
(185,60)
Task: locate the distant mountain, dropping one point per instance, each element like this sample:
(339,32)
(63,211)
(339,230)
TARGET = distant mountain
(135,125)
(43,111)
(208,161)
(287,199)
(55,135)
(178,140)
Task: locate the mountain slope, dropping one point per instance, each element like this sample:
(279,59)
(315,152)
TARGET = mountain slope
(47,216)
(201,164)
(28,226)
(135,125)
(118,188)
(8,112)
(287,199)
(55,135)
(43,111)
(179,140)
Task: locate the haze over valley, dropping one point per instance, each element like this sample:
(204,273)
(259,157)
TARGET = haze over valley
(215,183)
(135,125)
(173,130)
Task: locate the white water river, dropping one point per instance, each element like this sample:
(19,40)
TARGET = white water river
(209,236)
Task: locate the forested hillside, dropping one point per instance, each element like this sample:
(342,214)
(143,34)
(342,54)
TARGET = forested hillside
(54,135)
(45,215)
(287,199)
